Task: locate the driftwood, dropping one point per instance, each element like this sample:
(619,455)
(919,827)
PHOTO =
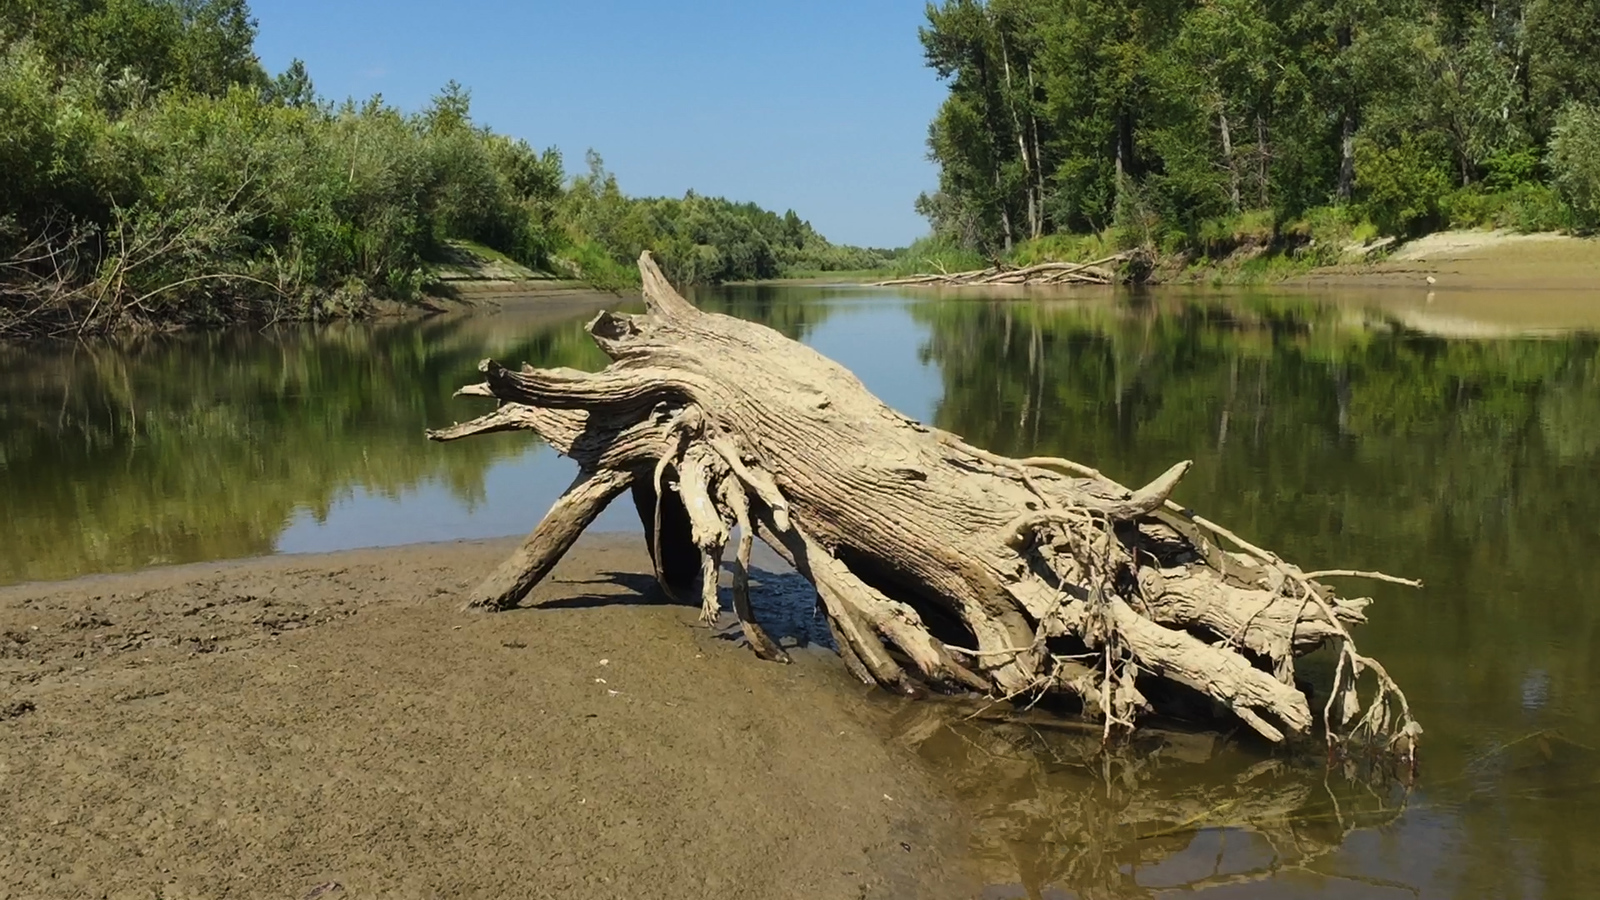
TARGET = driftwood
(937,564)
(1040,274)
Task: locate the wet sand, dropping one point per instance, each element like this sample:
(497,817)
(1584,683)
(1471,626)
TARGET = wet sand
(272,727)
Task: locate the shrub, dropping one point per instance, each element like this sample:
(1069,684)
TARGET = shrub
(1528,208)
(1534,207)
(1511,169)
(1400,187)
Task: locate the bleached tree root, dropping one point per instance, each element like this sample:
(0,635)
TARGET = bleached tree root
(938,564)
(577,508)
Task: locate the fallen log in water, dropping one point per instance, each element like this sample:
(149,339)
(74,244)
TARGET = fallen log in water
(936,563)
(1040,274)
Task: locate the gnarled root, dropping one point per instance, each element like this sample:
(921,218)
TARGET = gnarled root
(938,564)
(733,498)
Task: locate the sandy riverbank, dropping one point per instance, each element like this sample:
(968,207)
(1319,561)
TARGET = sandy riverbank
(266,727)
(1476,260)
(1483,284)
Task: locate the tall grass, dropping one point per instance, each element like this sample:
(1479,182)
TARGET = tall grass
(933,254)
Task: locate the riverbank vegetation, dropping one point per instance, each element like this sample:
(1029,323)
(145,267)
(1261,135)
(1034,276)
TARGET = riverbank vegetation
(1198,130)
(156,175)
(698,239)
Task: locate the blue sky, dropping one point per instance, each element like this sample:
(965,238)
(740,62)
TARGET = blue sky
(819,106)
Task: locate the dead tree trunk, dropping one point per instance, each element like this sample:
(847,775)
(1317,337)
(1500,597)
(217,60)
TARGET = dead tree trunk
(1228,158)
(937,563)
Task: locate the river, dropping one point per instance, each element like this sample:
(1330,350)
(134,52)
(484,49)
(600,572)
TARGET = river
(1342,432)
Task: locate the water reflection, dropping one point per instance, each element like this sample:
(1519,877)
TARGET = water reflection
(1338,433)
(1058,817)
(165,450)
(174,449)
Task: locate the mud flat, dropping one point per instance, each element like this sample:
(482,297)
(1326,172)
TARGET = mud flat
(332,725)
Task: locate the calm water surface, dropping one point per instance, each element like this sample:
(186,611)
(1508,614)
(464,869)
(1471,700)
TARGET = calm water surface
(1341,434)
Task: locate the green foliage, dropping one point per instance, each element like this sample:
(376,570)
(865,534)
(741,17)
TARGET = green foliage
(292,87)
(1329,224)
(1162,120)
(937,253)
(695,239)
(1526,208)
(154,175)
(1400,187)
(594,264)
(56,144)
(1575,161)
(1252,227)
(1058,247)
(201,46)
(194,190)
(1511,169)
(1563,39)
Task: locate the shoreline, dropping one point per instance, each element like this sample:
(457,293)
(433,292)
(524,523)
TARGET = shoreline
(1458,261)
(261,727)
(1474,260)
(1484,284)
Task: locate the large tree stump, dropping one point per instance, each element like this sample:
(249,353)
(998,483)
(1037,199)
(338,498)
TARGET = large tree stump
(937,563)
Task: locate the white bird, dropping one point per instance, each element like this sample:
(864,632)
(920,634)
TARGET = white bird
(1432,281)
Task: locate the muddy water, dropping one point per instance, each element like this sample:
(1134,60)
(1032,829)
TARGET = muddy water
(1342,431)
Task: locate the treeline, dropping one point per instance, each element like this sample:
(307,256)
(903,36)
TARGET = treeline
(1166,122)
(155,174)
(696,239)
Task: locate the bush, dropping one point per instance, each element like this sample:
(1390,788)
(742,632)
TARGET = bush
(937,254)
(141,143)
(186,206)
(1511,169)
(592,263)
(1534,207)
(1321,233)
(1220,236)
(1400,187)
(55,141)
(1528,208)
(1574,162)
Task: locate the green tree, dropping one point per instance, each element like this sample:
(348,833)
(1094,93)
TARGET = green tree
(1213,87)
(154,175)
(1575,160)
(972,137)
(1166,117)
(1472,94)
(292,87)
(1563,57)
